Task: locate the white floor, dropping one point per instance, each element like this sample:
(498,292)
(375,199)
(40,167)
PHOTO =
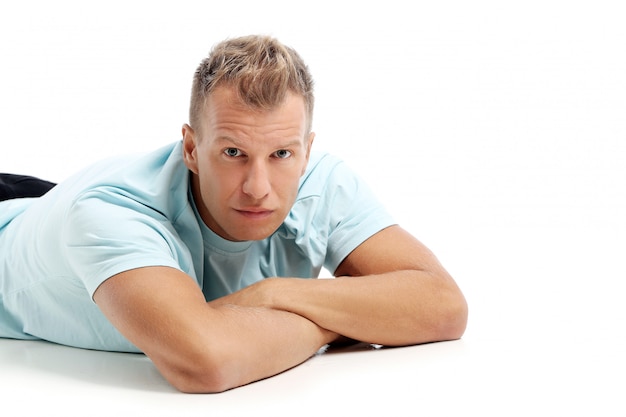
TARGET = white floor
(520,375)
(496,133)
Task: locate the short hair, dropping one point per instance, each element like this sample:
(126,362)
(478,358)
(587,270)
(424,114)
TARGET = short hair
(260,68)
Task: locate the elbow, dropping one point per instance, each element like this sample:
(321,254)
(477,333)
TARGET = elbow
(443,322)
(457,320)
(452,320)
(201,382)
(447,320)
(205,374)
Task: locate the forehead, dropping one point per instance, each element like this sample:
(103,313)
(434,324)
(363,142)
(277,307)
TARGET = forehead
(225,111)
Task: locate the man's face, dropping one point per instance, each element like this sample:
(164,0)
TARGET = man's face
(246,164)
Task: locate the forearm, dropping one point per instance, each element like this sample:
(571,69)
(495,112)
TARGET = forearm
(396,308)
(200,346)
(248,344)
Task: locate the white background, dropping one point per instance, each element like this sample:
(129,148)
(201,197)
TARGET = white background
(494,131)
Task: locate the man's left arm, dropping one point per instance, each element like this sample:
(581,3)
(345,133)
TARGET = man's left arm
(391,290)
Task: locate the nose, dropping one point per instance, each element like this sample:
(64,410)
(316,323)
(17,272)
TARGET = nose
(257,183)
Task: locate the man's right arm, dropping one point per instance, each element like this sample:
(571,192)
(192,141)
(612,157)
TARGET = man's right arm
(198,347)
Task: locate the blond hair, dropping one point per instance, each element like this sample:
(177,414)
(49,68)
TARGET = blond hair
(260,69)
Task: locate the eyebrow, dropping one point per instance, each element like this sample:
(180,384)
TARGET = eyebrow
(229,139)
(293,142)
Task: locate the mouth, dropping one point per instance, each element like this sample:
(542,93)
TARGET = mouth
(255,213)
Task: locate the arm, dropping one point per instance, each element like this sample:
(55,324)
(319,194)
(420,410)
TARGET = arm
(391,290)
(199,347)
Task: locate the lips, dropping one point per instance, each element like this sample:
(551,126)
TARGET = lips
(255,213)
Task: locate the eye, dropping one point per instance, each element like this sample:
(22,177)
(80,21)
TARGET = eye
(282,154)
(232,152)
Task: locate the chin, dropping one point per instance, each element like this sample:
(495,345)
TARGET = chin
(251,234)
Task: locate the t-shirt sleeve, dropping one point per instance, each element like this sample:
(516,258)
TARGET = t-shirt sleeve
(106,234)
(355,214)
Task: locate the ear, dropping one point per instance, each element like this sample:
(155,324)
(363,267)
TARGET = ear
(309,145)
(189,148)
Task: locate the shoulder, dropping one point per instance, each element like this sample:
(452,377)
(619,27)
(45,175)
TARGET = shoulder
(157,180)
(324,173)
(335,210)
(10,209)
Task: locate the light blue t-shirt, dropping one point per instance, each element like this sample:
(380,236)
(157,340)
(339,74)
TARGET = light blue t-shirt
(131,212)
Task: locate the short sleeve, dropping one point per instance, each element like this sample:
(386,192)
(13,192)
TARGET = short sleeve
(354,214)
(106,234)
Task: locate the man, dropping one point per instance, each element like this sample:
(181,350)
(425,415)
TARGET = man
(178,253)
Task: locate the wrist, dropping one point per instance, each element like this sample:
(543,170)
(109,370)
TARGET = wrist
(276,292)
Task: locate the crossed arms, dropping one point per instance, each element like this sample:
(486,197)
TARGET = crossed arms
(391,290)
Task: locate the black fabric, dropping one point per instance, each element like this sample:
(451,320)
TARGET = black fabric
(18,186)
